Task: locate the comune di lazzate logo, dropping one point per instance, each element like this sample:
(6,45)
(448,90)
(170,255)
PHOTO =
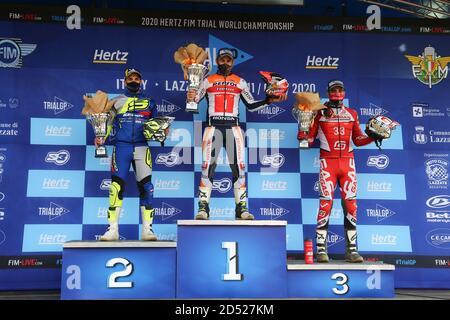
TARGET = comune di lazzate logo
(12,50)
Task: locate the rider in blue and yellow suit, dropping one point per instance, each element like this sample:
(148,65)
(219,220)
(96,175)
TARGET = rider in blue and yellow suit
(130,111)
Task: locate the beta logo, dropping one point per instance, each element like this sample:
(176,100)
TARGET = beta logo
(223,185)
(439,202)
(275,160)
(439,238)
(380,162)
(59,158)
(12,51)
(168,159)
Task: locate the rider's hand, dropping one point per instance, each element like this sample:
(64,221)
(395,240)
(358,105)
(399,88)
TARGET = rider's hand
(277,99)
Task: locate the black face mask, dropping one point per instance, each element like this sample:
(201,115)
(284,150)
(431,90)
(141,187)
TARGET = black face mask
(133,86)
(334,104)
(224,69)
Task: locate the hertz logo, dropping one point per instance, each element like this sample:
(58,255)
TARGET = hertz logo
(313,62)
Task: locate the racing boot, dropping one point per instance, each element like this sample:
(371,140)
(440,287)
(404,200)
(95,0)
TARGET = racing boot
(321,245)
(351,252)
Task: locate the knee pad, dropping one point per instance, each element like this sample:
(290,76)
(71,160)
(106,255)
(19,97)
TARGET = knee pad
(323,216)
(116,192)
(350,208)
(146,189)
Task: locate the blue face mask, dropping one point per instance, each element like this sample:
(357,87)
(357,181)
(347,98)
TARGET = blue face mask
(133,86)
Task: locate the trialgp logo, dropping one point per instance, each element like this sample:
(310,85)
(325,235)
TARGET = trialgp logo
(12,51)
(428,67)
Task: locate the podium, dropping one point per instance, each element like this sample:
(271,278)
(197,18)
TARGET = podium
(213,259)
(340,279)
(118,270)
(231,259)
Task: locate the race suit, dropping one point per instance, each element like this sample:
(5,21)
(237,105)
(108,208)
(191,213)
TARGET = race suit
(336,128)
(223,94)
(131,111)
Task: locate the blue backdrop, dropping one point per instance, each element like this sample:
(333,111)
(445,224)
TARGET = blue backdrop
(52,189)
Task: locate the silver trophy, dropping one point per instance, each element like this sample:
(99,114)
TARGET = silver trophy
(196,73)
(304,119)
(99,122)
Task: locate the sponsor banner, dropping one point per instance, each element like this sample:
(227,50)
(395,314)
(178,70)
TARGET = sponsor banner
(439,238)
(58,131)
(381,186)
(276,209)
(310,208)
(272,161)
(173,184)
(55,183)
(53,211)
(281,185)
(95,211)
(384,238)
(170,210)
(30,262)
(49,238)
(272,135)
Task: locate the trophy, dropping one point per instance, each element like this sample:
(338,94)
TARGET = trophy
(304,110)
(191,59)
(97,113)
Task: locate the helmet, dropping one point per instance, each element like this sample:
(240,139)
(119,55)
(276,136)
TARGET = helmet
(231,52)
(336,96)
(380,127)
(277,85)
(130,71)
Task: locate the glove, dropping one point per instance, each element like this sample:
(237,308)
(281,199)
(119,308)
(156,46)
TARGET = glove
(302,135)
(150,128)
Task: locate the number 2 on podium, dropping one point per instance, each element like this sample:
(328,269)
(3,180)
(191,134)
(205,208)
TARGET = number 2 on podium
(232,262)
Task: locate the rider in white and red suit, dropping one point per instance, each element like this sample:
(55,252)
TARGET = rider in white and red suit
(336,126)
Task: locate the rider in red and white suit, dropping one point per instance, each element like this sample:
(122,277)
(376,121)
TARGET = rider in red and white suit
(336,127)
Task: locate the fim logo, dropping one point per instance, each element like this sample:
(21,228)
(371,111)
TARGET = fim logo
(429,68)
(168,159)
(12,51)
(271,111)
(59,158)
(53,211)
(275,161)
(58,105)
(380,212)
(274,212)
(439,238)
(380,162)
(420,137)
(437,172)
(223,185)
(167,211)
(167,108)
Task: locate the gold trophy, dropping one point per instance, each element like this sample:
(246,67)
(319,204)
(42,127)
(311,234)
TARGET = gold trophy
(305,107)
(191,59)
(96,109)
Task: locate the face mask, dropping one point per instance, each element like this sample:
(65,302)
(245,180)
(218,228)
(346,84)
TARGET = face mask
(336,96)
(133,86)
(224,69)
